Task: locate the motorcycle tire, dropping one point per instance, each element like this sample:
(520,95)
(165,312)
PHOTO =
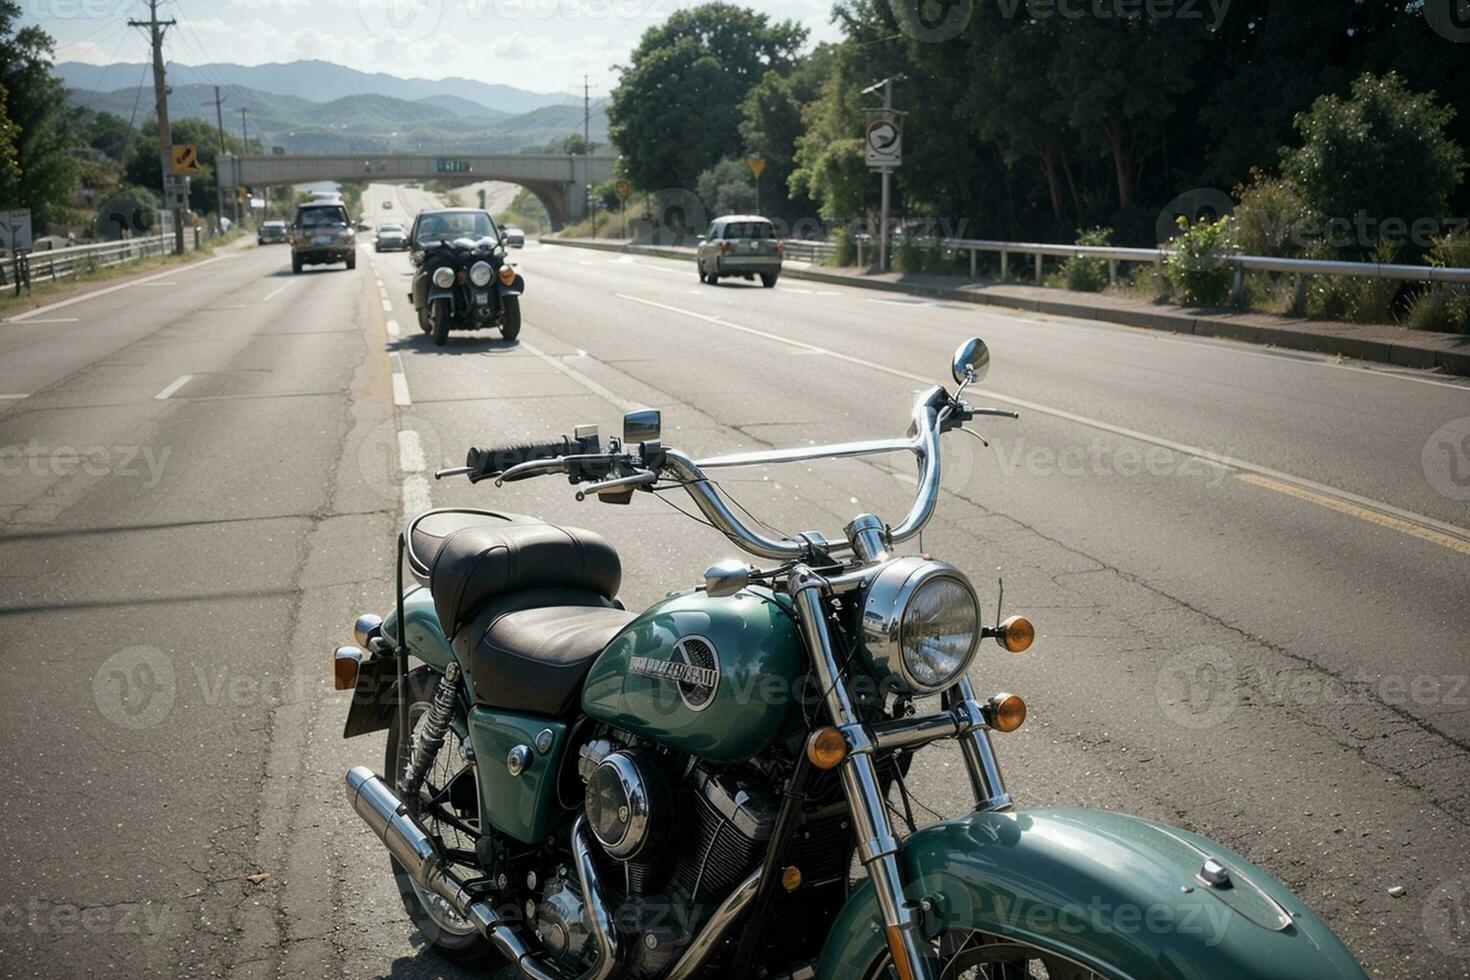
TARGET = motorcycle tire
(352,261)
(510,322)
(439,318)
(296,265)
(425,324)
(768,279)
(458,941)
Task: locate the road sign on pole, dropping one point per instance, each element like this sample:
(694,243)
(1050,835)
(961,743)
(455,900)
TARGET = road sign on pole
(622,188)
(884,143)
(757,166)
(184,157)
(15,229)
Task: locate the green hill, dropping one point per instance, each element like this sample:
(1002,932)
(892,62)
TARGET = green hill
(370,123)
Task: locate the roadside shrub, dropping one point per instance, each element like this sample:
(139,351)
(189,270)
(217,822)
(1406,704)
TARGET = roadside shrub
(1354,300)
(1271,218)
(1383,152)
(908,256)
(1445,307)
(1152,283)
(844,252)
(1087,275)
(1194,270)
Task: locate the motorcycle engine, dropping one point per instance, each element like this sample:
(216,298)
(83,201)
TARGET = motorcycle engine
(682,842)
(561,923)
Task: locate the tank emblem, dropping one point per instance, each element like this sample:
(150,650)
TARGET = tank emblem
(694,667)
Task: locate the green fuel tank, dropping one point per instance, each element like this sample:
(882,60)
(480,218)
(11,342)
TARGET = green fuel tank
(718,678)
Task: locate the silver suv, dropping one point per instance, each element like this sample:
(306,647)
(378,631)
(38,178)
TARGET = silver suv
(740,245)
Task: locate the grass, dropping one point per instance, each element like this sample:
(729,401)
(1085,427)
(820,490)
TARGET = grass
(44,290)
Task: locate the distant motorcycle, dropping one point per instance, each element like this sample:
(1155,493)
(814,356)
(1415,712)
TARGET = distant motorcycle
(585,791)
(466,284)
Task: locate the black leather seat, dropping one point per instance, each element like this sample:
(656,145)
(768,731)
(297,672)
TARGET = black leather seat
(527,655)
(482,562)
(426,533)
(528,605)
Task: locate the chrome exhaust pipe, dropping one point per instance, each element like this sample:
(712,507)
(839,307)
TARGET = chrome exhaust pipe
(387,816)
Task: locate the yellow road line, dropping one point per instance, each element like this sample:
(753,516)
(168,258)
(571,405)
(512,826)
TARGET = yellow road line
(1362,513)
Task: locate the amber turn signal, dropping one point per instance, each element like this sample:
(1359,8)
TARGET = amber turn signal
(1007,712)
(346,664)
(791,878)
(826,749)
(507,274)
(1016,634)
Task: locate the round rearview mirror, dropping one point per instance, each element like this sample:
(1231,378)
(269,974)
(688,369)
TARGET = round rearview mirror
(971,361)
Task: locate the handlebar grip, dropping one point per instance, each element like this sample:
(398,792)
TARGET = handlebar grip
(487,463)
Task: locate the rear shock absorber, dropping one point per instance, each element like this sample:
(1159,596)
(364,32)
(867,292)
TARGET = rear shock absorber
(430,739)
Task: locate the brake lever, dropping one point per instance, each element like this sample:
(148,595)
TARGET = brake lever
(454,471)
(618,483)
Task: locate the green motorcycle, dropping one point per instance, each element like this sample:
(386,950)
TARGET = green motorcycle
(585,792)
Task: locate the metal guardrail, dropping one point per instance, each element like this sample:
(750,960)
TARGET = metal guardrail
(804,250)
(58,263)
(1113,255)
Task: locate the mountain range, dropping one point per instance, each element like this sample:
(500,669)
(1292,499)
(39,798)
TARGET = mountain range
(319,81)
(348,111)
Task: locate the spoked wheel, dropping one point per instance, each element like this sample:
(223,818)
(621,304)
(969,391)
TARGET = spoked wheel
(977,956)
(448,808)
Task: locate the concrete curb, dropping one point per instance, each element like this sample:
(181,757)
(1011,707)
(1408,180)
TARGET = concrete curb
(1345,341)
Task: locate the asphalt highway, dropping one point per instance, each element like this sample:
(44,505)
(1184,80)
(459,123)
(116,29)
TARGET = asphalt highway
(1248,569)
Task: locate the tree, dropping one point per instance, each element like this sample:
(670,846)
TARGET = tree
(771,123)
(35,104)
(106,133)
(9,168)
(676,109)
(1381,154)
(727,188)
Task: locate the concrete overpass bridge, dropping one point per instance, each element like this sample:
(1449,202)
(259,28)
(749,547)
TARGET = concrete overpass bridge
(559,181)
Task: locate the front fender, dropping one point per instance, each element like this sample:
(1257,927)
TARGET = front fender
(1119,895)
(516,288)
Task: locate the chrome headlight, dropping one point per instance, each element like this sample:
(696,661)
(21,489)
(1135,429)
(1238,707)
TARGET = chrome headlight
(444,277)
(921,624)
(480,273)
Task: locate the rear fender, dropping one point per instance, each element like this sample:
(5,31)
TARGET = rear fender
(374,696)
(1119,895)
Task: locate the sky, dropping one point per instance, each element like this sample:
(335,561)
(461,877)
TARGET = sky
(541,45)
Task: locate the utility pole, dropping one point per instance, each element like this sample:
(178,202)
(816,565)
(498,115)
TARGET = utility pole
(219,118)
(244,148)
(156,29)
(587,142)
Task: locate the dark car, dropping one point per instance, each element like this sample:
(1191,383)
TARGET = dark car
(390,238)
(322,232)
(272,233)
(742,245)
(462,279)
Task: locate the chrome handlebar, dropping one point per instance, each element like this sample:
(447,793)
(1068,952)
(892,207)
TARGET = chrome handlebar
(932,416)
(935,412)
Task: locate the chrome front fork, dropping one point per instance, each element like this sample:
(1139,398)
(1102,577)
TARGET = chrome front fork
(878,847)
(985,777)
